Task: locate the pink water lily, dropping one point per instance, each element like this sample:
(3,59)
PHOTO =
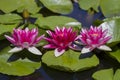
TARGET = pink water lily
(60,39)
(93,38)
(25,39)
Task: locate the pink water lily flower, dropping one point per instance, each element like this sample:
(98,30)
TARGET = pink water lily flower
(25,38)
(60,39)
(93,38)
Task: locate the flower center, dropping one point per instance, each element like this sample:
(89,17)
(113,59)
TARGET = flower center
(95,35)
(25,45)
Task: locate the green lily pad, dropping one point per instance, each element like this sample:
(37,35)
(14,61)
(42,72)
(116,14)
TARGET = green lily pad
(52,21)
(8,6)
(115,54)
(69,61)
(30,5)
(59,6)
(10,18)
(6,28)
(18,67)
(117,75)
(113,26)
(106,74)
(111,9)
(87,4)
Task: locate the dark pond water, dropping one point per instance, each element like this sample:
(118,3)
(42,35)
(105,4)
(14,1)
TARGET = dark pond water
(46,73)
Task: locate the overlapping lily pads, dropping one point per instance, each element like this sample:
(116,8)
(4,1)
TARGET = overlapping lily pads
(69,61)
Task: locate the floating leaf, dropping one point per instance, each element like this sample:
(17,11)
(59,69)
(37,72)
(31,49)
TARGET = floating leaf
(69,61)
(52,21)
(10,18)
(111,9)
(106,74)
(113,26)
(19,67)
(59,6)
(117,75)
(115,54)
(87,4)
(9,6)
(30,5)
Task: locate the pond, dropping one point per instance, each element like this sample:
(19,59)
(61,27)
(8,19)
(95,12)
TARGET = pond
(64,63)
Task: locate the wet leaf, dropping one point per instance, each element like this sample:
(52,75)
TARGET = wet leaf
(20,67)
(69,61)
(59,6)
(52,21)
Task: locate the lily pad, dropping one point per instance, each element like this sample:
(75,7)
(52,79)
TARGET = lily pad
(29,5)
(52,21)
(115,54)
(10,18)
(111,9)
(20,67)
(69,61)
(113,26)
(106,74)
(59,6)
(87,4)
(8,6)
(117,75)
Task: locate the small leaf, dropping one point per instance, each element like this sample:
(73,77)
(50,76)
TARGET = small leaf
(69,61)
(58,6)
(115,54)
(106,74)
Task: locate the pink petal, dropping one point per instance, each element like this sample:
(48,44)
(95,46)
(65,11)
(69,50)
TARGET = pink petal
(39,38)
(51,46)
(10,39)
(58,53)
